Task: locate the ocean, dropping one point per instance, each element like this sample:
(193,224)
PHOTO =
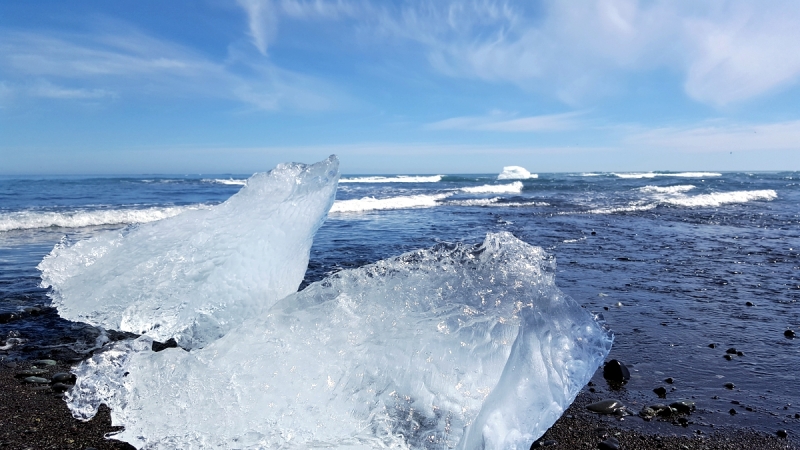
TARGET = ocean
(682,266)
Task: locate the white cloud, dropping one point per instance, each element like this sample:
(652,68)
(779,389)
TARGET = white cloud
(720,137)
(503,123)
(46,89)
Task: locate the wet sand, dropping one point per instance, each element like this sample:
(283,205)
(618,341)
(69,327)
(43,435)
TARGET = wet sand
(34,417)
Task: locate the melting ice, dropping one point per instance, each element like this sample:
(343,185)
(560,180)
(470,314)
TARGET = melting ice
(195,275)
(457,346)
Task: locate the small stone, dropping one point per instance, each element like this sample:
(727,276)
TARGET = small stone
(797,415)
(669,380)
(749,304)
(732,412)
(731,351)
(683,406)
(729,385)
(789,334)
(728,357)
(594,233)
(45,362)
(36,380)
(782,434)
(30,373)
(60,387)
(647,413)
(63,377)
(544,443)
(609,444)
(712,345)
(739,353)
(661,392)
(615,371)
(608,406)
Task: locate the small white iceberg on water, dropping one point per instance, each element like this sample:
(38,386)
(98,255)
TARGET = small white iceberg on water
(516,173)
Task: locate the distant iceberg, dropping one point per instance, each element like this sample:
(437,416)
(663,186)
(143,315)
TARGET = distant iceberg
(194,276)
(515,173)
(458,346)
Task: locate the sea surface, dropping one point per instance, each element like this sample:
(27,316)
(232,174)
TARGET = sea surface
(674,262)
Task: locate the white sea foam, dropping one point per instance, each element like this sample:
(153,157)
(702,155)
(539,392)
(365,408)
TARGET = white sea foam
(26,220)
(638,206)
(475,202)
(229,181)
(721,198)
(400,202)
(513,188)
(453,347)
(194,276)
(395,179)
(666,174)
(667,189)
(515,173)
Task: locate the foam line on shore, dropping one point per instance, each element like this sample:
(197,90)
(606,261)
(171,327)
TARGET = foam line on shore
(27,220)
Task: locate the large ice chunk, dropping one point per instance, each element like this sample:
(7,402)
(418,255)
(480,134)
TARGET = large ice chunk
(195,275)
(470,347)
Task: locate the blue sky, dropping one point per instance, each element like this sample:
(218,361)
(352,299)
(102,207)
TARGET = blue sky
(215,86)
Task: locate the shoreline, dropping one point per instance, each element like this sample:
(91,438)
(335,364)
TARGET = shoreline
(34,417)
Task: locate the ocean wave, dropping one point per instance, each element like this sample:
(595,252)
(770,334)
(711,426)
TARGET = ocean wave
(395,179)
(721,198)
(662,174)
(667,189)
(375,204)
(620,209)
(475,202)
(27,220)
(229,181)
(513,188)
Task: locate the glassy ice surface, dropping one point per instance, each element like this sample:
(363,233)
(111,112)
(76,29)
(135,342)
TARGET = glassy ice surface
(195,275)
(457,346)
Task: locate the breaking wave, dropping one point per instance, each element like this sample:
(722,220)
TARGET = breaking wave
(375,204)
(721,198)
(513,188)
(229,181)
(395,179)
(668,174)
(27,220)
(667,189)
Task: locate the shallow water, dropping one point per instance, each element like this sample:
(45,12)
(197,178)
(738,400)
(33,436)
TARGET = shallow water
(681,261)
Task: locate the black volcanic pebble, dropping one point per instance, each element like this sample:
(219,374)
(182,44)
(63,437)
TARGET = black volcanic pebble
(728,357)
(731,351)
(594,233)
(544,443)
(789,333)
(732,412)
(712,345)
(749,304)
(797,415)
(729,385)
(615,371)
(669,380)
(782,434)
(60,387)
(661,392)
(609,444)
(159,346)
(7,317)
(740,353)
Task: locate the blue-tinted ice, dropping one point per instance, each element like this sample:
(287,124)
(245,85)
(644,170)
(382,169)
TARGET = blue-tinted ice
(196,275)
(457,346)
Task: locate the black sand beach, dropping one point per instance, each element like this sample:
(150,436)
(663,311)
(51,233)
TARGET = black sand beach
(35,417)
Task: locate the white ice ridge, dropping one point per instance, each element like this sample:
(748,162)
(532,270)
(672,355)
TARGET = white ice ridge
(515,173)
(458,346)
(195,275)
(394,179)
(26,220)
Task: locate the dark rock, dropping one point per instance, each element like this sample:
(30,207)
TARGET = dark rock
(728,357)
(63,377)
(60,387)
(667,412)
(669,380)
(683,406)
(608,406)
(616,372)
(731,351)
(609,444)
(739,353)
(159,346)
(661,392)
(594,233)
(789,334)
(30,373)
(36,380)
(782,434)
(749,304)
(647,413)
(544,443)
(45,362)
(732,412)
(712,345)
(729,385)
(8,317)
(797,415)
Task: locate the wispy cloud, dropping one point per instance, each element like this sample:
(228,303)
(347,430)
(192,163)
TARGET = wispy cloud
(128,61)
(501,122)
